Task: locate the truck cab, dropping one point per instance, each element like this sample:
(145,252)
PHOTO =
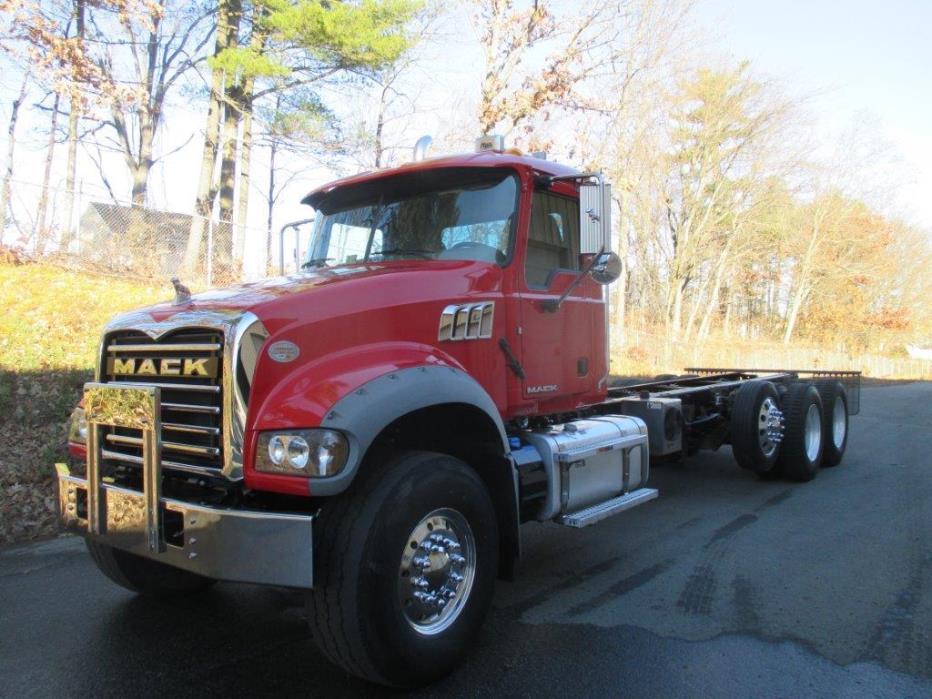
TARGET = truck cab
(373,426)
(494,238)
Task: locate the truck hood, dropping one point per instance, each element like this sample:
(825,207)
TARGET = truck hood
(300,297)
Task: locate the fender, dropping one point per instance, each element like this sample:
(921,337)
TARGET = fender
(365,412)
(359,394)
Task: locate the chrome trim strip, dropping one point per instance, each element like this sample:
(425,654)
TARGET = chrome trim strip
(174,465)
(185,408)
(196,388)
(190,347)
(171,446)
(190,429)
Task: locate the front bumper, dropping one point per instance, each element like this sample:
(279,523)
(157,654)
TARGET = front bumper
(223,543)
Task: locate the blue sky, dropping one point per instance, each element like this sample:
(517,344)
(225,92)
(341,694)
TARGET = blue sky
(861,59)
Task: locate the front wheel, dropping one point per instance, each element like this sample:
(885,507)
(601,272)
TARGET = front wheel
(406,564)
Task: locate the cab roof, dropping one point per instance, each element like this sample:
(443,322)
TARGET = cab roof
(489,159)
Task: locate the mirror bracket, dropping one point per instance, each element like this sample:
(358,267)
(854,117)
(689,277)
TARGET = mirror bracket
(281,243)
(604,268)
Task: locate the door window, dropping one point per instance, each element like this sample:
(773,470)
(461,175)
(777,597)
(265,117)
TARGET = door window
(553,239)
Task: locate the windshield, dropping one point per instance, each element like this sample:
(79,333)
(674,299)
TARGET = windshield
(440,214)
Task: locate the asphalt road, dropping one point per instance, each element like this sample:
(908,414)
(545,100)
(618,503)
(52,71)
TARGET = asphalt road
(725,586)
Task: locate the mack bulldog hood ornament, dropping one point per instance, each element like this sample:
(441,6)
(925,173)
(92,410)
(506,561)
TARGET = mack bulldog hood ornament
(182,293)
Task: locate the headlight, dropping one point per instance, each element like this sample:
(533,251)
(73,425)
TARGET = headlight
(311,453)
(77,428)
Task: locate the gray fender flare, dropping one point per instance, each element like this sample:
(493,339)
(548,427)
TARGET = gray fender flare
(362,414)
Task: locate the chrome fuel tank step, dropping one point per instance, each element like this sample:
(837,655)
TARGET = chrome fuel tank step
(603,510)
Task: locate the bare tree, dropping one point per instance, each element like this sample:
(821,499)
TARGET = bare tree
(11,148)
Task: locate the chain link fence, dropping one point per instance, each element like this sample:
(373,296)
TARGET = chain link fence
(98,233)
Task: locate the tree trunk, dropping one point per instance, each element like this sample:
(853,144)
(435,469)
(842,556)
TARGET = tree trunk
(74,113)
(271,196)
(143,165)
(713,306)
(729,311)
(802,287)
(242,99)
(245,156)
(380,127)
(10,152)
(223,246)
(47,173)
(676,317)
(228,18)
(720,266)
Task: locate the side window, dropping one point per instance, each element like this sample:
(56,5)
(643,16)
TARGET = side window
(553,238)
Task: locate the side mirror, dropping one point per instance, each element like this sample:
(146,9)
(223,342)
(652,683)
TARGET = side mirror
(607,268)
(595,215)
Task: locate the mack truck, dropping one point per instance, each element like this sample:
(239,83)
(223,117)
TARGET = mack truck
(374,426)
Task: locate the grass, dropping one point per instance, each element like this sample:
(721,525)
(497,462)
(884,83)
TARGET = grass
(49,333)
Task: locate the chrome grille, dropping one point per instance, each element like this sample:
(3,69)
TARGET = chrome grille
(192,406)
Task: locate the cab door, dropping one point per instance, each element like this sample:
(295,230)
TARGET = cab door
(563,351)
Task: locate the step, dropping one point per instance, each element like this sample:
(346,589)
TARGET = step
(602,510)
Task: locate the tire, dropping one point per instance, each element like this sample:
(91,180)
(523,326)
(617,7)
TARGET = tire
(834,421)
(754,408)
(363,613)
(803,442)
(145,576)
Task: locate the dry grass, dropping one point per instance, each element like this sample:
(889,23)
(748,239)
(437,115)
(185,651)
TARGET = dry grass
(48,338)
(649,354)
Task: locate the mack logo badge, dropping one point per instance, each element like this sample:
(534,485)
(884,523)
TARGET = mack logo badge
(188,367)
(548,388)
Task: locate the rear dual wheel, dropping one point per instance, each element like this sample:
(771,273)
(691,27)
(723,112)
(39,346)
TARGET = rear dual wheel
(834,420)
(789,434)
(756,426)
(803,442)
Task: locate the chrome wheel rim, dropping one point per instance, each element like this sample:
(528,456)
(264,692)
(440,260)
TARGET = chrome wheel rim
(437,571)
(839,423)
(769,427)
(813,432)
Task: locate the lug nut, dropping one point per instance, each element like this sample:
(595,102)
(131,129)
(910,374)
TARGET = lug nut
(426,598)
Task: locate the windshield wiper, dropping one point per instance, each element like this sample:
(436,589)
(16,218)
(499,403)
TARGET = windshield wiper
(426,254)
(316,262)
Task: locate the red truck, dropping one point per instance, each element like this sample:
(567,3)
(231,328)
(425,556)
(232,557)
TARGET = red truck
(375,427)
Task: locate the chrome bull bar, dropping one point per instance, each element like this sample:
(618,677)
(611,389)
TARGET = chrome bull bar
(224,543)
